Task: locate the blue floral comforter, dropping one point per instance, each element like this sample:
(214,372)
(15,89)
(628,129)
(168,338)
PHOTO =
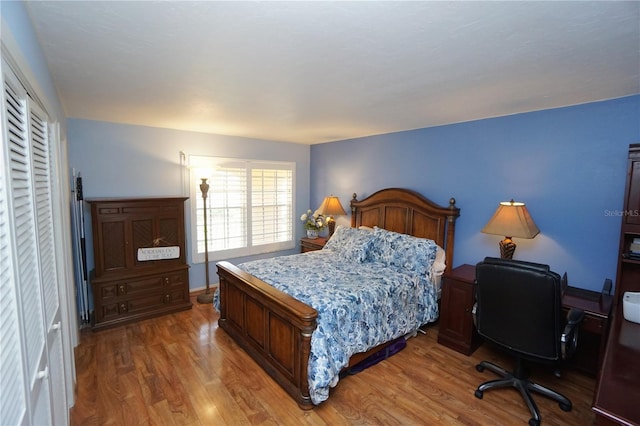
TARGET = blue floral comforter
(360,305)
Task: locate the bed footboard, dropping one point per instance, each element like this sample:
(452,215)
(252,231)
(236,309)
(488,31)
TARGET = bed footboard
(271,326)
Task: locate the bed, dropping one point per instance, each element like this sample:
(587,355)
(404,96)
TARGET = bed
(277,329)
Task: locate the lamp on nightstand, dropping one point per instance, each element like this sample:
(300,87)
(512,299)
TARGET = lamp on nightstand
(331,207)
(207,296)
(511,219)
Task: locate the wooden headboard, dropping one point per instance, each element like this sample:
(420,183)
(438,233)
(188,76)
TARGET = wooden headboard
(407,212)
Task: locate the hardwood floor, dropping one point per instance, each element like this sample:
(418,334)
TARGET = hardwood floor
(181,369)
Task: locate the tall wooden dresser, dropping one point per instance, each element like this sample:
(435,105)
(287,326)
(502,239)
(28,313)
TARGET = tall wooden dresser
(140,260)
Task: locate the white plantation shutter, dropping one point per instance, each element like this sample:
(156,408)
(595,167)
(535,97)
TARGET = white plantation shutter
(272,205)
(227,210)
(249,206)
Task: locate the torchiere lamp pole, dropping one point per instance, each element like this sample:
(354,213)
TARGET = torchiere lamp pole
(207,296)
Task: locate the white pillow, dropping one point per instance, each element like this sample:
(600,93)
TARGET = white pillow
(441,261)
(437,269)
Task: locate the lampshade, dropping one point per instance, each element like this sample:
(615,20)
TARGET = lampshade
(331,207)
(511,219)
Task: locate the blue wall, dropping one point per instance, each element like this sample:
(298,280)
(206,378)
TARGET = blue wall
(16,28)
(567,164)
(120,160)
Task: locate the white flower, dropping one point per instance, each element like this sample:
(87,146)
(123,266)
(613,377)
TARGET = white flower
(313,220)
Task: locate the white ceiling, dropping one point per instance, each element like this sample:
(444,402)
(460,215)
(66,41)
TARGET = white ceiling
(312,72)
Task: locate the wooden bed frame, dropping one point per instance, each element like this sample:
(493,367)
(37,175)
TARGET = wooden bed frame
(275,329)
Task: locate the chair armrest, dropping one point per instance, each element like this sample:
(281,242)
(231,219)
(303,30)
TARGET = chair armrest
(569,338)
(575,316)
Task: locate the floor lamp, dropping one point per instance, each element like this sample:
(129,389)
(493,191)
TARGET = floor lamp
(207,296)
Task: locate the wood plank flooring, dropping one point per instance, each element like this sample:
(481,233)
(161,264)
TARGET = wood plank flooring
(180,369)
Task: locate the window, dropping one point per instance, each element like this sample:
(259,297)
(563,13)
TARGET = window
(249,207)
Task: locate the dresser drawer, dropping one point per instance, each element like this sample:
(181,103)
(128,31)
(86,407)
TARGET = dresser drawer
(134,287)
(122,300)
(176,294)
(593,324)
(176,278)
(146,286)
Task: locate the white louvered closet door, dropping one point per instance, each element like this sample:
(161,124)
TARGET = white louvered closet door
(42,189)
(29,400)
(12,384)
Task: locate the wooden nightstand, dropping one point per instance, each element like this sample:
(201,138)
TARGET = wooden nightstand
(311,244)
(456,329)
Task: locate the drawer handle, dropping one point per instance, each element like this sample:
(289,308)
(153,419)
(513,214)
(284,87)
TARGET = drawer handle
(122,289)
(123,307)
(166,280)
(167,298)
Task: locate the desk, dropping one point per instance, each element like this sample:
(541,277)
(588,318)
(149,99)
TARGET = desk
(593,329)
(617,398)
(456,329)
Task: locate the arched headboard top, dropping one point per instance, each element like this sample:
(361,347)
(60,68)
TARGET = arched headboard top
(408,212)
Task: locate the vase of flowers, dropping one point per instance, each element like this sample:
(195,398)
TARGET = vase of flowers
(313,223)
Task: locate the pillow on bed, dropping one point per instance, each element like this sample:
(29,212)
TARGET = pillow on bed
(437,270)
(403,251)
(350,243)
(440,263)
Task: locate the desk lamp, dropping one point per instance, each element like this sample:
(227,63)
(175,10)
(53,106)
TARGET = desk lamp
(511,219)
(331,207)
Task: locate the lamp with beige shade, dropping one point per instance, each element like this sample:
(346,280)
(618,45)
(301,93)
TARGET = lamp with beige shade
(511,219)
(331,207)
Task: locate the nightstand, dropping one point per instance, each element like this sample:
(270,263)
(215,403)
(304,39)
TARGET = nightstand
(311,244)
(456,329)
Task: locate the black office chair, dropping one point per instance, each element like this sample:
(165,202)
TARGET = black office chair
(519,308)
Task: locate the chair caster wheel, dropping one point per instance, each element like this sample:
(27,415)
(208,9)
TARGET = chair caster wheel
(565,407)
(478,394)
(534,422)
(480,368)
